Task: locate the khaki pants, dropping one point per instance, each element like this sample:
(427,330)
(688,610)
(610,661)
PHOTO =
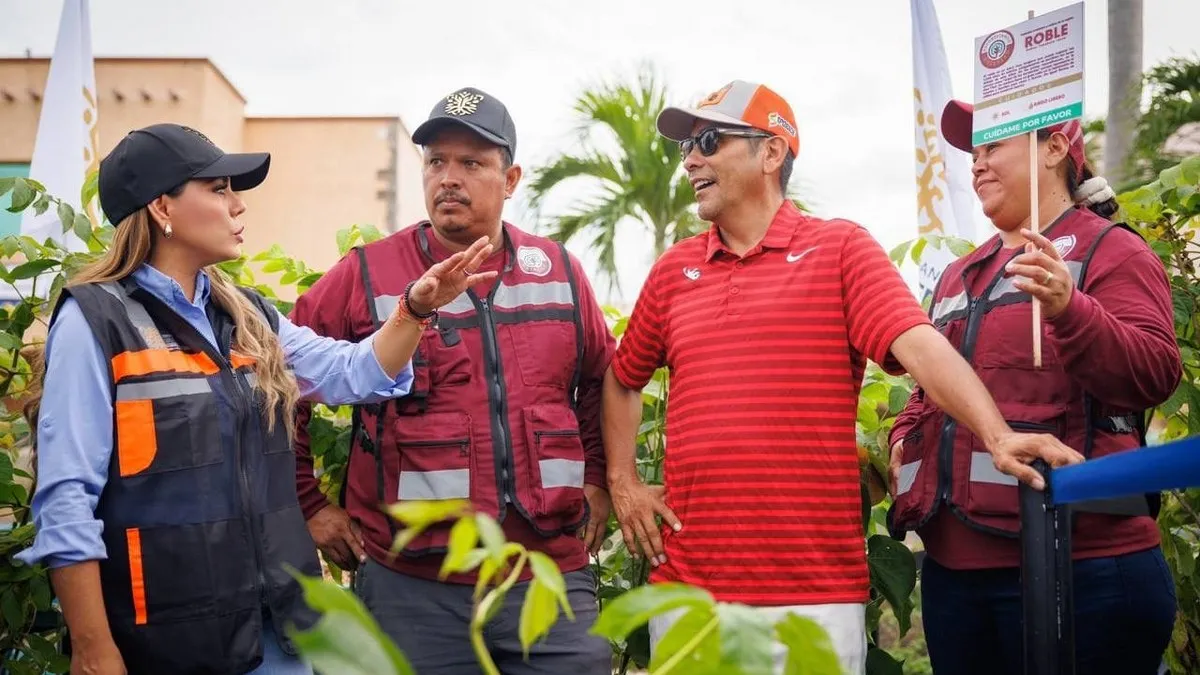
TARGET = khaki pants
(845,623)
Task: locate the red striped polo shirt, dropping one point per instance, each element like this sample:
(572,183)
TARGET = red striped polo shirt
(766,355)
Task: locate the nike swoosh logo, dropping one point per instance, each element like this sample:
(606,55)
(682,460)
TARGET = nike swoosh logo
(793,257)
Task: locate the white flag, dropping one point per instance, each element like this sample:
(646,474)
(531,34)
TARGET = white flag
(66,148)
(944,193)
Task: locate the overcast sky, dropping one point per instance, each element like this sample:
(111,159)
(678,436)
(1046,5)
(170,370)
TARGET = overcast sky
(845,67)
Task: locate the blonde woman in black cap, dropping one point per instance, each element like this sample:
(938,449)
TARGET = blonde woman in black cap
(166,507)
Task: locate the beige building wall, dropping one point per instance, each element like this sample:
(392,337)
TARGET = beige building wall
(326,172)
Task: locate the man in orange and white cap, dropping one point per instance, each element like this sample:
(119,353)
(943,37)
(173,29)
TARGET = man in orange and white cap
(766,322)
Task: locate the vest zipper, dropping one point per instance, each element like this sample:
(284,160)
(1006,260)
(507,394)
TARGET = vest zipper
(243,478)
(501,436)
(950,427)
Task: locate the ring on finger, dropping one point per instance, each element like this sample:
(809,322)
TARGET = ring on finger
(1046,279)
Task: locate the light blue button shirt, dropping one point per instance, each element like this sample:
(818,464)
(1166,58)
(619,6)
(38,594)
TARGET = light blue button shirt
(75,423)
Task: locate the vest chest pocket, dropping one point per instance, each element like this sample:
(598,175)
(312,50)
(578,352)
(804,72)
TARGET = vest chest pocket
(544,351)
(165,424)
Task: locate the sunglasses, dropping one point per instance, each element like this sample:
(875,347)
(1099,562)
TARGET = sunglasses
(710,138)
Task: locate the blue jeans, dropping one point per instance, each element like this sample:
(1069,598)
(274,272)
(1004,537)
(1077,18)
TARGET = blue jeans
(1124,613)
(275,660)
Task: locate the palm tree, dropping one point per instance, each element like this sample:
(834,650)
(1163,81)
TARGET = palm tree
(1124,85)
(637,172)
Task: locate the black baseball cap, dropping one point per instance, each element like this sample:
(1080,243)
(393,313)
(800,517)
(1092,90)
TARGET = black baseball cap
(149,162)
(476,110)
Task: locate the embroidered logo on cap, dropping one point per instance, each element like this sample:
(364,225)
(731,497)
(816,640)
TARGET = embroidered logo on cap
(533,260)
(776,120)
(462,103)
(715,97)
(192,131)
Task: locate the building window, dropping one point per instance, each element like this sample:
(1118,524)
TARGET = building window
(10,223)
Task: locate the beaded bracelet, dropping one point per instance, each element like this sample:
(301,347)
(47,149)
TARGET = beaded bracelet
(406,308)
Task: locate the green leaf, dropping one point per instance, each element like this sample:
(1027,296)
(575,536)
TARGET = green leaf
(426,513)
(91,186)
(346,639)
(6,184)
(919,248)
(634,608)
(691,645)
(32,268)
(538,614)
(491,535)
(8,341)
(343,241)
(880,662)
(462,541)
(959,247)
(40,206)
(12,611)
(894,575)
(82,226)
(897,254)
(810,652)
(897,399)
(369,233)
(22,196)
(546,571)
(66,216)
(745,640)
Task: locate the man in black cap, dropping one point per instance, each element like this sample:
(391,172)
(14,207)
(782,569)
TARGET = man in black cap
(504,411)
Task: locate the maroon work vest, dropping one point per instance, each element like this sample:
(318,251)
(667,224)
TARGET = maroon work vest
(491,414)
(944,465)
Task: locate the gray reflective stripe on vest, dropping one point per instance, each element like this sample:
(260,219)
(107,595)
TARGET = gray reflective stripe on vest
(251,379)
(559,473)
(946,306)
(441,484)
(139,318)
(386,304)
(984,471)
(908,477)
(533,294)
(140,391)
(1008,285)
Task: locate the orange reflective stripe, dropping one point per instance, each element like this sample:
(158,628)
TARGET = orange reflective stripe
(146,361)
(240,360)
(136,581)
(136,444)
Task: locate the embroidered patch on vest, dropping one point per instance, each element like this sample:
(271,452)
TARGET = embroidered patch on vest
(1064,244)
(533,261)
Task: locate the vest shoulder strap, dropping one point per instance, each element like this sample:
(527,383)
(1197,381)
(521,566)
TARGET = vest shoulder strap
(268,310)
(368,288)
(573,392)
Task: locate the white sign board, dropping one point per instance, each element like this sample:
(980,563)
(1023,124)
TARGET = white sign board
(1029,76)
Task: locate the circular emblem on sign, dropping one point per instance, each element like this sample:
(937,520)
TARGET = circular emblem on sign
(996,49)
(533,260)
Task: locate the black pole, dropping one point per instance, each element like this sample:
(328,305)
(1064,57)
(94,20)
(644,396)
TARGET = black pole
(1046,595)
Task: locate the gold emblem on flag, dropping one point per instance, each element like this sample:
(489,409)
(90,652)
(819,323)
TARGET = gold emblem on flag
(462,103)
(933,172)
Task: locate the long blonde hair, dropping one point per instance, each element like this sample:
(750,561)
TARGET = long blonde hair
(131,246)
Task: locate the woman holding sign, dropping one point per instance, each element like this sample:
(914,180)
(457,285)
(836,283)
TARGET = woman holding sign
(1108,354)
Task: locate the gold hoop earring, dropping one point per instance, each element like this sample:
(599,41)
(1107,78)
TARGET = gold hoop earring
(167,231)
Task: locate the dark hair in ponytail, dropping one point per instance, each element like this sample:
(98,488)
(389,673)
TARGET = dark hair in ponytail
(1079,175)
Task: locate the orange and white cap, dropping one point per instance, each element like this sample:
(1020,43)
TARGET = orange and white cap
(739,104)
